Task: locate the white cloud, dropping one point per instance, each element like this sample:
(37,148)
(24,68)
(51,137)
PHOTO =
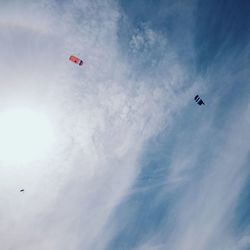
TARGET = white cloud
(102,114)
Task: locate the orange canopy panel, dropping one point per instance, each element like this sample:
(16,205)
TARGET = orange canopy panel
(76,60)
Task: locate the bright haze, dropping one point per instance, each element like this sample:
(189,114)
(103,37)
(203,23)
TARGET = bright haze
(116,154)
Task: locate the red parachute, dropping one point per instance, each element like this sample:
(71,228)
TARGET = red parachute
(76,60)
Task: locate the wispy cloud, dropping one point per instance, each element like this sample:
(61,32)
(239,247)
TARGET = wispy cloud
(103,114)
(106,113)
(193,203)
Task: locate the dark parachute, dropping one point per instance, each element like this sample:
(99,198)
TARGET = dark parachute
(199,100)
(76,60)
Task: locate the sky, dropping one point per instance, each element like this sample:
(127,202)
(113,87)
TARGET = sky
(131,161)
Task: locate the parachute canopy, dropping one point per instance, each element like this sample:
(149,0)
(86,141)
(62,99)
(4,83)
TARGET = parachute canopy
(199,100)
(76,60)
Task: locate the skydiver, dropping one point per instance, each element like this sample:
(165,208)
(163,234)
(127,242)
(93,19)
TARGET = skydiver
(199,100)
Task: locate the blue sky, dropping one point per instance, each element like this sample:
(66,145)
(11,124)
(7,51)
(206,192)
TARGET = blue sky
(219,34)
(137,164)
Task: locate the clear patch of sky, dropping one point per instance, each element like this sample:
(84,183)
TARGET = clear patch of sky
(220,27)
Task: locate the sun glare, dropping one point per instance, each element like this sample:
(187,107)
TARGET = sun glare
(25,136)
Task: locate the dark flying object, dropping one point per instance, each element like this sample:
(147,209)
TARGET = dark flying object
(76,60)
(22,190)
(199,100)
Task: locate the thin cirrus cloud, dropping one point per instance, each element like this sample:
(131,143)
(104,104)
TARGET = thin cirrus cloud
(133,166)
(195,173)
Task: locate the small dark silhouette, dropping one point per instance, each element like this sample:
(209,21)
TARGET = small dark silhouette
(199,100)
(22,190)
